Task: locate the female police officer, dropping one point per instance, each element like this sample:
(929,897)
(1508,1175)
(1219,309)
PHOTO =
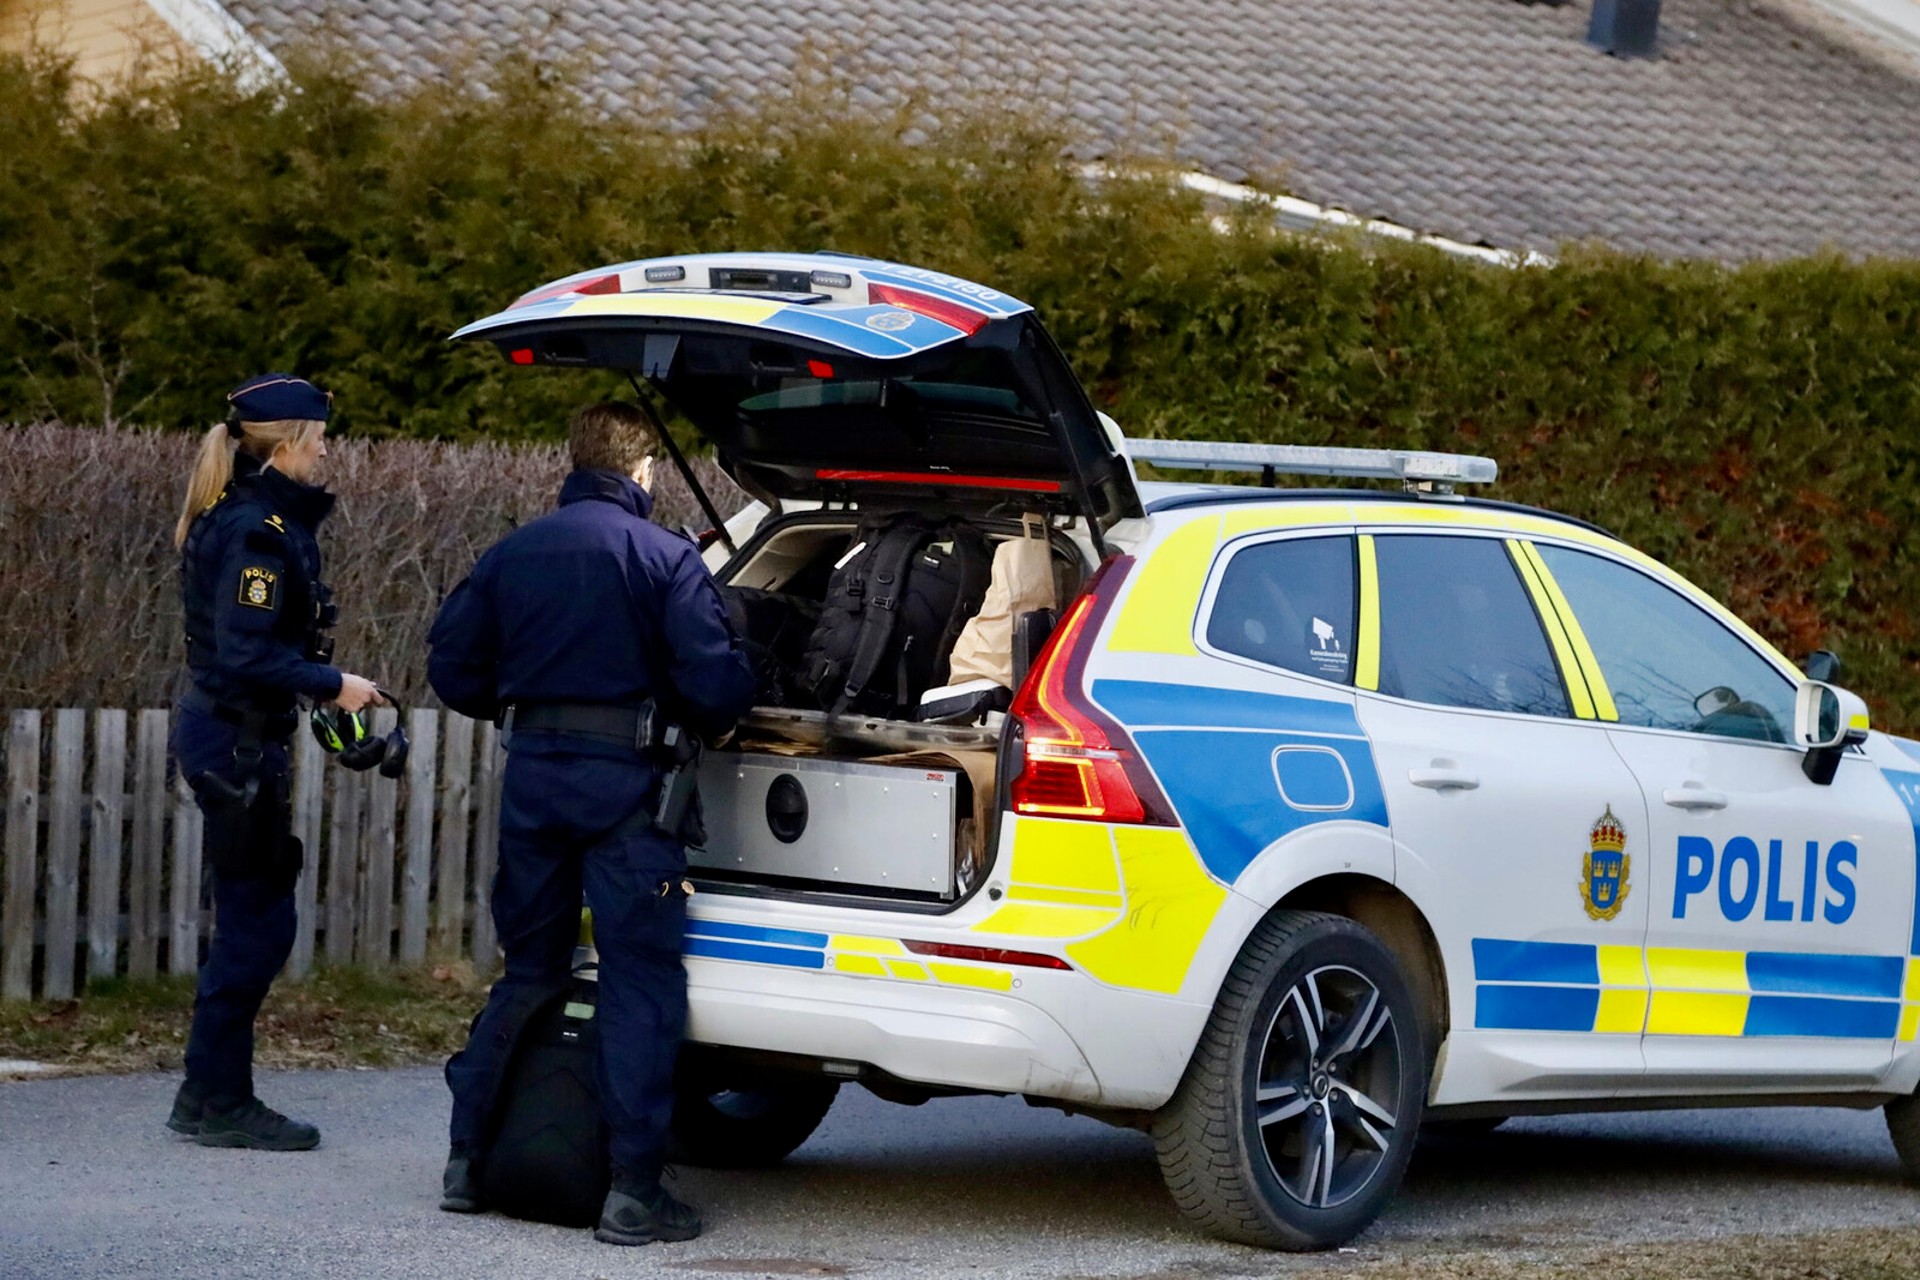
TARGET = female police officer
(256,616)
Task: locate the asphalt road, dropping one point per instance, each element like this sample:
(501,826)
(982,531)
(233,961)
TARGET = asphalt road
(92,1185)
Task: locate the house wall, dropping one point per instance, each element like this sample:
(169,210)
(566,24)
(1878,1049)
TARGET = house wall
(105,38)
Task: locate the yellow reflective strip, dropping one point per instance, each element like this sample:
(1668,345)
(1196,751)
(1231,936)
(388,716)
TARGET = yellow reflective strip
(1622,967)
(1366,667)
(1024,920)
(910,969)
(1556,633)
(1697,970)
(1171,905)
(868,966)
(1910,1022)
(1062,897)
(1065,855)
(1621,1011)
(1912,991)
(1859,722)
(1284,515)
(670,305)
(1693,1013)
(1158,614)
(1603,704)
(968,976)
(841,942)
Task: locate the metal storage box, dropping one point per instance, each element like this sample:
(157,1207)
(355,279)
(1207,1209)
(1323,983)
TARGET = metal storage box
(842,822)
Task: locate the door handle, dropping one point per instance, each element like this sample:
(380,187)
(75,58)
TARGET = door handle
(1692,795)
(1443,777)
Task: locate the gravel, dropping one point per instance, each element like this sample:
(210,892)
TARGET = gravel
(92,1185)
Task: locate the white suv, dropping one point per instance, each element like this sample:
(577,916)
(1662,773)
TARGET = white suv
(1321,812)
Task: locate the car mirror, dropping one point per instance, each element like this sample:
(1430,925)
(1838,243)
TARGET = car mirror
(1823,665)
(1826,721)
(1716,699)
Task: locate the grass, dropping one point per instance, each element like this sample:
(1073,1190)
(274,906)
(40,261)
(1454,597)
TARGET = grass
(1863,1253)
(335,1018)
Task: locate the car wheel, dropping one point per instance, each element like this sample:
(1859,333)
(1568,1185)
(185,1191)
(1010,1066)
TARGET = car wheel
(749,1127)
(1298,1113)
(1903,1122)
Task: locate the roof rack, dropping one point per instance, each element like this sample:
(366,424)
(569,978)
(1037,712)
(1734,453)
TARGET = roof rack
(1421,471)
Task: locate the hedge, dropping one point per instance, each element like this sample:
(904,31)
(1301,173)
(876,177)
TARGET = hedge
(1752,424)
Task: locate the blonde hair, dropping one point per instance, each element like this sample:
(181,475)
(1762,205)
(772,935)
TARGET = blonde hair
(614,436)
(213,465)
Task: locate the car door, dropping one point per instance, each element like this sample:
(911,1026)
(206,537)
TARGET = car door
(1779,910)
(1514,821)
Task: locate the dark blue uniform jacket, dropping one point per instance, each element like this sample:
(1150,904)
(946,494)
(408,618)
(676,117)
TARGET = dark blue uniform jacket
(250,584)
(591,603)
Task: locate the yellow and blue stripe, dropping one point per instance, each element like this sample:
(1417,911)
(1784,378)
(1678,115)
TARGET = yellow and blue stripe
(1561,986)
(1244,769)
(755,944)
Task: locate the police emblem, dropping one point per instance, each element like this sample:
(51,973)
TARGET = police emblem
(890,321)
(256,586)
(1603,872)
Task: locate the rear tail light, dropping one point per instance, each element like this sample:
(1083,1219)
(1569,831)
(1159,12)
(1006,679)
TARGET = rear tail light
(986,955)
(951,314)
(1073,760)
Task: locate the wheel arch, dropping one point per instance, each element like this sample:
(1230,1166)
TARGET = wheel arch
(1400,925)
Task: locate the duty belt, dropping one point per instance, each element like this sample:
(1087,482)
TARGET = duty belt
(641,727)
(267,724)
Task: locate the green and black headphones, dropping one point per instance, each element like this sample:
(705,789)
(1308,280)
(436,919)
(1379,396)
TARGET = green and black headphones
(348,735)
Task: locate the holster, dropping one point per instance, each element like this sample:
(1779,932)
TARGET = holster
(249,833)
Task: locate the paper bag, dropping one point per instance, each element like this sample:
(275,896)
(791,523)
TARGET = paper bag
(1022,581)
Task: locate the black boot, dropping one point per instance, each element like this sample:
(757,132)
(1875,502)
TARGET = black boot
(189,1109)
(640,1211)
(251,1123)
(460,1184)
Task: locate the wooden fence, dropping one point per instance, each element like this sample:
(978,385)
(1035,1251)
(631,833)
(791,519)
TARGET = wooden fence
(100,867)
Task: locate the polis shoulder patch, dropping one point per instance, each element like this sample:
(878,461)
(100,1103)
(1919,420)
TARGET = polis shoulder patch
(259,587)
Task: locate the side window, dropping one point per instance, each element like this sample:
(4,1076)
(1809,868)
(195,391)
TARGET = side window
(1457,628)
(1289,604)
(1669,663)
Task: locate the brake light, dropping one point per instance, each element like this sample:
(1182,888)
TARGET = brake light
(951,314)
(951,478)
(986,955)
(521,355)
(1076,762)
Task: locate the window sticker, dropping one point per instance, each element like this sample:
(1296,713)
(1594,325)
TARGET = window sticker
(1327,654)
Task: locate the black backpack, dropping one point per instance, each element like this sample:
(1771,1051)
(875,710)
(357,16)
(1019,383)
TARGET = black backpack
(894,607)
(774,630)
(546,1153)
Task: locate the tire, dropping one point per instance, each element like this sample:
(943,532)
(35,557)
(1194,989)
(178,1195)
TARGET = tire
(1903,1122)
(1340,1127)
(753,1126)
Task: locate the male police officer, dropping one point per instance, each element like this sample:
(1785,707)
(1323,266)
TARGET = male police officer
(587,632)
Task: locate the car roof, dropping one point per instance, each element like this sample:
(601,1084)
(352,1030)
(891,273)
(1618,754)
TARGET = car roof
(1159,495)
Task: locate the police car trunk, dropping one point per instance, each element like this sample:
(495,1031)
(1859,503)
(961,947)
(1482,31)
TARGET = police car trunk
(832,389)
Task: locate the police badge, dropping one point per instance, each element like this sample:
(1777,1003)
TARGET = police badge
(257,585)
(1603,872)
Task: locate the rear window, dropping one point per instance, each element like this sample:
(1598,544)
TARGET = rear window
(1289,604)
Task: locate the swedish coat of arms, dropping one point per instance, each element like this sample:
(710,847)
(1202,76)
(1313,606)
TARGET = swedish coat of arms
(1603,872)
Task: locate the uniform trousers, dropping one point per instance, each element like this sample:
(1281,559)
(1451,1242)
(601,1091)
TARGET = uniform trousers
(565,832)
(253,907)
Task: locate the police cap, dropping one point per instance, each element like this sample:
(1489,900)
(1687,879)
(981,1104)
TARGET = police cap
(277,397)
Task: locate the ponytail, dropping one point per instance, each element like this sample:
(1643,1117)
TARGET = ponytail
(212,468)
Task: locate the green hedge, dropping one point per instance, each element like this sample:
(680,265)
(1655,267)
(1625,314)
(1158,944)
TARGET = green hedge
(1753,425)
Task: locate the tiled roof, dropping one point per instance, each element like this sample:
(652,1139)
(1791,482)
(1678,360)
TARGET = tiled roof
(1754,134)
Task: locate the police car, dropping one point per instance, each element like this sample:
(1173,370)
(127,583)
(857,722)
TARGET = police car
(1320,815)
